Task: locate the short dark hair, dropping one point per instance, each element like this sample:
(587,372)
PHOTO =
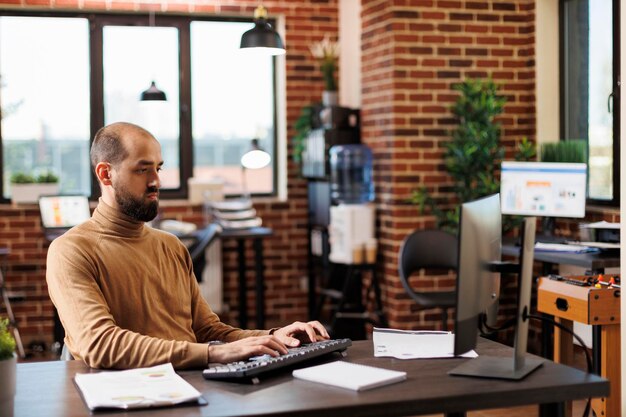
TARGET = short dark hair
(107,146)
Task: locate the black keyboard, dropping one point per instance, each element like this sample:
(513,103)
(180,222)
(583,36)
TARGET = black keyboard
(253,368)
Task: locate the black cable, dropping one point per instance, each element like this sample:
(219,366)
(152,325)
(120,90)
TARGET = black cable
(578,339)
(483,322)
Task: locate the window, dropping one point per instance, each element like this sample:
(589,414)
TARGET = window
(86,71)
(244,84)
(590,89)
(134,56)
(45,99)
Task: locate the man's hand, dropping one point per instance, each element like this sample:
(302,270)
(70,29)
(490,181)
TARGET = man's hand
(246,348)
(299,332)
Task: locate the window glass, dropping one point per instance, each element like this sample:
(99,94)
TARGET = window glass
(133,57)
(44,70)
(600,88)
(588,83)
(233,103)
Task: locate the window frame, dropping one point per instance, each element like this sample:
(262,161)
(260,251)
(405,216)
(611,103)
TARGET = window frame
(563,48)
(181,22)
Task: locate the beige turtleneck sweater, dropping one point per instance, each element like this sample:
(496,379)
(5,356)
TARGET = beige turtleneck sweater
(127,296)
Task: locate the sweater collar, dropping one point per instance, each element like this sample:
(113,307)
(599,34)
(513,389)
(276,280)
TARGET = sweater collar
(117,222)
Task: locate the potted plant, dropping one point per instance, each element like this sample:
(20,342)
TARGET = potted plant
(8,369)
(26,188)
(327,52)
(472,157)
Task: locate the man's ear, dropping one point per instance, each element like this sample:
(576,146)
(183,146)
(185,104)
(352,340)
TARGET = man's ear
(103,172)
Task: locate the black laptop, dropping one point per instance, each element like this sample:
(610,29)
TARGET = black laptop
(59,213)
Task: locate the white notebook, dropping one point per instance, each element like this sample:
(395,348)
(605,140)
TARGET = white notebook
(350,375)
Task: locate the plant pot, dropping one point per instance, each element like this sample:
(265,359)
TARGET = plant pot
(8,370)
(330,98)
(29,193)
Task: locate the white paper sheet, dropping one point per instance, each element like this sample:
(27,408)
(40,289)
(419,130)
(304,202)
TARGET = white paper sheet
(408,344)
(136,388)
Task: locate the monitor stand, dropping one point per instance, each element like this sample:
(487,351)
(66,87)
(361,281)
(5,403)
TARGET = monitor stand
(519,365)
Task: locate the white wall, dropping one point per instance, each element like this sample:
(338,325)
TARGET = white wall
(547,70)
(350,53)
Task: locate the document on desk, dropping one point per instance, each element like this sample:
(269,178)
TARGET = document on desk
(157,386)
(415,344)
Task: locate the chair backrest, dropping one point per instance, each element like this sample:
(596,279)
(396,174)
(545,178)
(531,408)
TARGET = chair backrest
(422,249)
(202,241)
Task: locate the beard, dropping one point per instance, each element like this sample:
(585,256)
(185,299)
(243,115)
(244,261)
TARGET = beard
(136,207)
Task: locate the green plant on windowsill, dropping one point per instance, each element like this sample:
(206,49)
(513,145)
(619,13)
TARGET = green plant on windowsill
(47,177)
(473,155)
(564,151)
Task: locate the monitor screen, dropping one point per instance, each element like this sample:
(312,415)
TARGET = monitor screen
(63,211)
(480,244)
(552,189)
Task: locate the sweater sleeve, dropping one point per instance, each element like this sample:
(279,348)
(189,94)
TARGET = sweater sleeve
(92,335)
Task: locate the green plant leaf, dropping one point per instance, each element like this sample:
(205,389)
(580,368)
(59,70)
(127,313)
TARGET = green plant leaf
(7,342)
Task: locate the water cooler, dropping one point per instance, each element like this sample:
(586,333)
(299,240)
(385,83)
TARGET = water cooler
(351,230)
(341,217)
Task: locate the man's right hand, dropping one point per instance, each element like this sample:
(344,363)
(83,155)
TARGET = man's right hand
(246,348)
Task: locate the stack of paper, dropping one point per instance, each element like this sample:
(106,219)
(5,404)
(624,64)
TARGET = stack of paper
(408,344)
(350,375)
(136,388)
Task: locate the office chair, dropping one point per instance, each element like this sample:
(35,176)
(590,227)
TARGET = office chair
(423,249)
(201,240)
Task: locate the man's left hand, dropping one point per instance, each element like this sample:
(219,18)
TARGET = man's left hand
(299,332)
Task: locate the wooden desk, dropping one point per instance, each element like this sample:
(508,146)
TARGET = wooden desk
(256,234)
(47,389)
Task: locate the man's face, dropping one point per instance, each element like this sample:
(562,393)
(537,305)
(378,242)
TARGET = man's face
(136,180)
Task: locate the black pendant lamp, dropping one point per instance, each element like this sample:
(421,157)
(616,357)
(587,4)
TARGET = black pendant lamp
(262,37)
(153,94)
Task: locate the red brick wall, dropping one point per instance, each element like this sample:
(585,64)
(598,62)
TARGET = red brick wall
(413,52)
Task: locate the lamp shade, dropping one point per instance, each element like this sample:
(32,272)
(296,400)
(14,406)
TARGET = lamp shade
(153,94)
(262,37)
(256,157)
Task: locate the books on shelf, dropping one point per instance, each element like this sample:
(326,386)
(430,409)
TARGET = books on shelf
(349,375)
(157,386)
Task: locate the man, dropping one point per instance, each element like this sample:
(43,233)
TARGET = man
(125,292)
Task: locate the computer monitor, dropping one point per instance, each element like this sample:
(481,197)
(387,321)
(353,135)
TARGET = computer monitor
(480,234)
(61,212)
(550,189)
